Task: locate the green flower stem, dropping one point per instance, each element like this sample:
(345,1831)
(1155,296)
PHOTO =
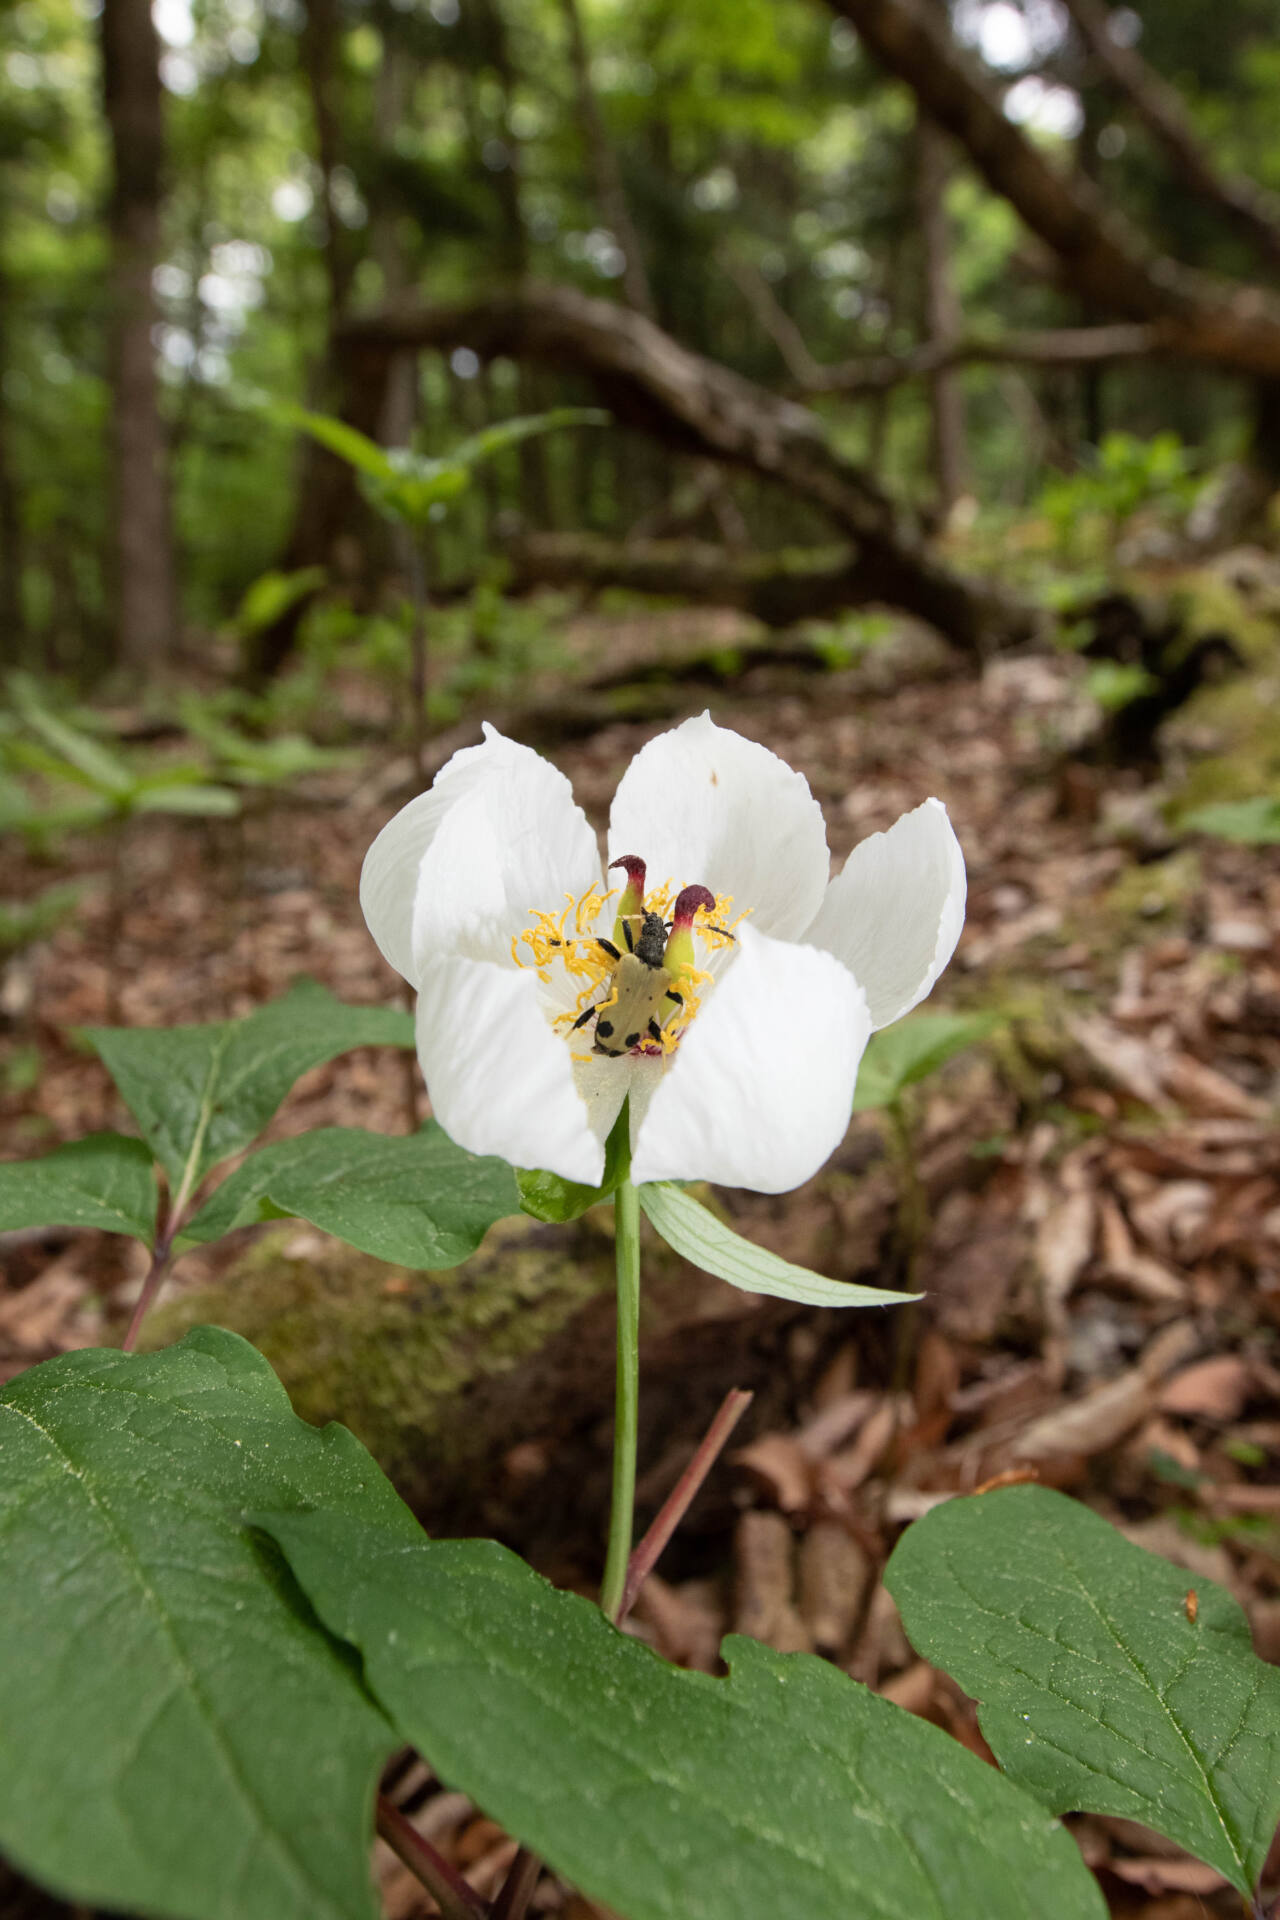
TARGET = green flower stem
(626,1214)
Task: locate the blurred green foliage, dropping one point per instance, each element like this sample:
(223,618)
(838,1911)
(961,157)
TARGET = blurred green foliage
(58,775)
(753,139)
(1089,510)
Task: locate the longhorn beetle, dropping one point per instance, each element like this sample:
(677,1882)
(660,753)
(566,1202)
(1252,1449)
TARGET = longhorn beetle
(642,985)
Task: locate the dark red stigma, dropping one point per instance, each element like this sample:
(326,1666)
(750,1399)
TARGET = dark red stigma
(688,901)
(635,867)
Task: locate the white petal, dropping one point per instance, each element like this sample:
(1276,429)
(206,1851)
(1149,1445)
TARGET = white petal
(702,804)
(762,1086)
(500,1080)
(603,1084)
(433,883)
(389,875)
(894,914)
(509,846)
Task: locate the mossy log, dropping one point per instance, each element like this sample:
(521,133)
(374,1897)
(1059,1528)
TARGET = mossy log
(486,1392)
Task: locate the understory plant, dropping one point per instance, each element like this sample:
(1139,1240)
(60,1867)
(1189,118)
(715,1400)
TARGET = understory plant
(411,490)
(217,1623)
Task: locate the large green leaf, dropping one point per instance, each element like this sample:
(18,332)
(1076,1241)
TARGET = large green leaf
(786,1789)
(1099,1690)
(416,1199)
(178,1735)
(697,1236)
(201,1093)
(911,1050)
(104,1180)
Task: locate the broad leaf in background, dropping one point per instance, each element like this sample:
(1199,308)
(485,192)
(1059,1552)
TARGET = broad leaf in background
(356,448)
(414,1199)
(496,439)
(178,1735)
(697,1236)
(899,1056)
(183,790)
(273,594)
(1098,1690)
(201,1093)
(104,1180)
(79,754)
(786,1789)
(1250,823)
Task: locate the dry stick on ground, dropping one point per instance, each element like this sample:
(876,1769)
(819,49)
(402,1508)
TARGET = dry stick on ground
(681,1496)
(516,1891)
(1255,211)
(451,1893)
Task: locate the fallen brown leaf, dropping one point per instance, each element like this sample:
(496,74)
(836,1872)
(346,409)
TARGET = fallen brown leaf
(1214,1389)
(913,1688)
(764,1603)
(1154,1875)
(835,1574)
(783,1466)
(1204,1091)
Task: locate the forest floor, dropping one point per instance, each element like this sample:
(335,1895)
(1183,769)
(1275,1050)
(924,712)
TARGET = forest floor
(1100,1256)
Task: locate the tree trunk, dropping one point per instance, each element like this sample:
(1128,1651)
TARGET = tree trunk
(320,46)
(12,621)
(391,93)
(604,166)
(145,592)
(941,314)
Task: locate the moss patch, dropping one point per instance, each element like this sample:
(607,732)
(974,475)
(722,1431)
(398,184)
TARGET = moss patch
(389,1352)
(1224,744)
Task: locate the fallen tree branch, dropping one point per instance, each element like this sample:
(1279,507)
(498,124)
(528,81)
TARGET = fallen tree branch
(876,372)
(1102,255)
(652,382)
(807,373)
(1050,347)
(1160,110)
(778,589)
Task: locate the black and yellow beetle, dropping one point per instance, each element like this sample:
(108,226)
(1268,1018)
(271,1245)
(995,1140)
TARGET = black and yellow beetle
(643,994)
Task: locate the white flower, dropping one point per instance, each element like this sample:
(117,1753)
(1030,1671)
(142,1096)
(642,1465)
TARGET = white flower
(487,894)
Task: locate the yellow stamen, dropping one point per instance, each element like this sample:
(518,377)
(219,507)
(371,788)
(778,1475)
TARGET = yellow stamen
(569,939)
